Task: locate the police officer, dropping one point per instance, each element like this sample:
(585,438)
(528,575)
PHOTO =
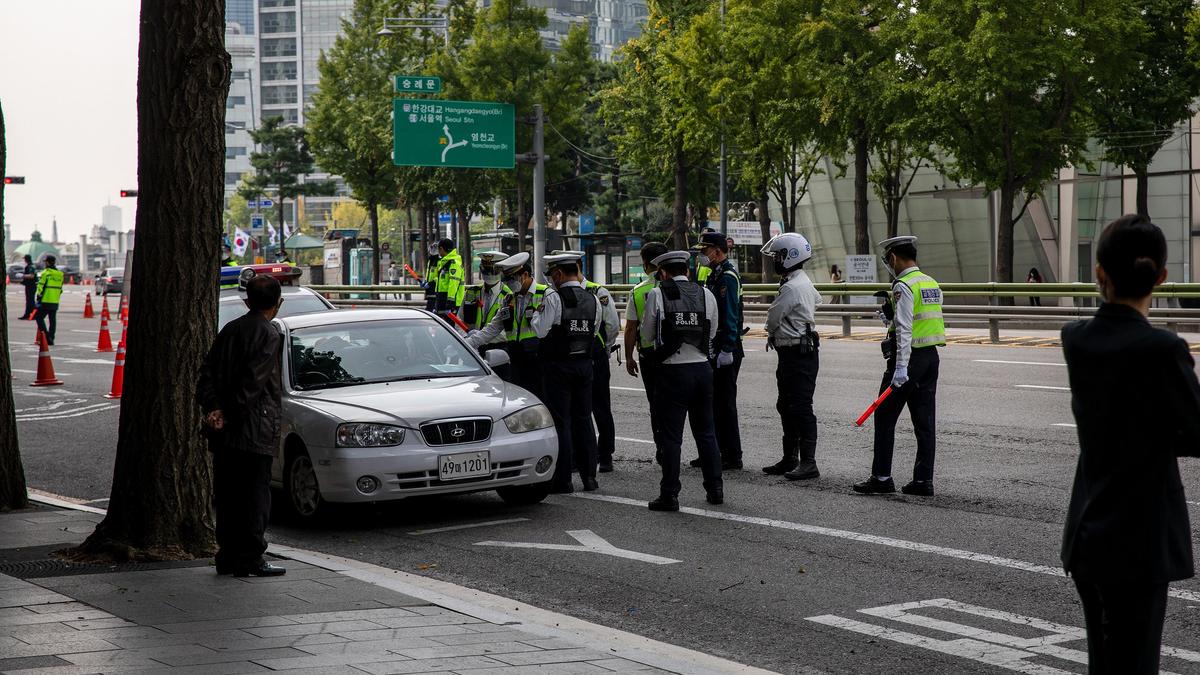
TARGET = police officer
(726,286)
(916,331)
(228,261)
(49,291)
(515,321)
(448,287)
(680,320)
(566,323)
(606,344)
(483,302)
(634,315)
(790,332)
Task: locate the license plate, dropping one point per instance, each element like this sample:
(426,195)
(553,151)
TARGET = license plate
(464,465)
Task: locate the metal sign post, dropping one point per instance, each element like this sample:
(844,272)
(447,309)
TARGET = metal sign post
(539,192)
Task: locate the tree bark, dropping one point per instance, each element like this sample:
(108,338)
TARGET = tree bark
(12,473)
(1004,238)
(862,226)
(373,216)
(160,506)
(464,243)
(281,229)
(1143,191)
(679,224)
(404,238)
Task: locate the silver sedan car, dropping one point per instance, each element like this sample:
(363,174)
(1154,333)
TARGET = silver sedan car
(385,404)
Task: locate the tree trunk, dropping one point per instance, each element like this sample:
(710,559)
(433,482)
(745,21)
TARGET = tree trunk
(1143,191)
(862,227)
(12,474)
(281,228)
(464,243)
(522,216)
(614,209)
(404,238)
(679,212)
(1004,239)
(160,506)
(373,216)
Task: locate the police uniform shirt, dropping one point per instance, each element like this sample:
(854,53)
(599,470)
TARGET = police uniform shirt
(902,298)
(794,308)
(495,328)
(488,297)
(654,315)
(551,312)
(611,323)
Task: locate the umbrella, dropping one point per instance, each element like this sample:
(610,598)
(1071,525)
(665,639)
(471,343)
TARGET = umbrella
(300,242)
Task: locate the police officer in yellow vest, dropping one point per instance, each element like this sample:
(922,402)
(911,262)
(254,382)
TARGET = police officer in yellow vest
(635,314)
(49,290)
(449,288)
(483,302)
(916,331)
(515,322)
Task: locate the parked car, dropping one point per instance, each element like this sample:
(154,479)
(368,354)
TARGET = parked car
(381,405)
(110,280)
(16,273)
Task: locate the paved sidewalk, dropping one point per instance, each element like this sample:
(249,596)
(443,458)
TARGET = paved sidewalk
(58,618)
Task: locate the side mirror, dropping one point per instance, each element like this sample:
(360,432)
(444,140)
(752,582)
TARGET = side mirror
(496,358)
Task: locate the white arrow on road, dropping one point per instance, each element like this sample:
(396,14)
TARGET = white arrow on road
(452,145)
(589,542)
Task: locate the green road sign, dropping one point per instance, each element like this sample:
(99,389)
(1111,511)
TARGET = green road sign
(418,84)
(464,134)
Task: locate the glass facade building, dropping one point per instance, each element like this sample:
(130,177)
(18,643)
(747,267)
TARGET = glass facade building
(611,23)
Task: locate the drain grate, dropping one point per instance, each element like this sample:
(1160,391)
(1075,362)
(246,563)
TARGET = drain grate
(39,562)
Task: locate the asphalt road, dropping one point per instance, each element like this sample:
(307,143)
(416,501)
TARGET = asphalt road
(783,576)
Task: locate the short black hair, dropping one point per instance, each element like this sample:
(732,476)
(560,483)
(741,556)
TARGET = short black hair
(446,244)
(262,293)
(50,260)
(28,258)
(568,268)
(675,268)
(652,250)
(905,250)
(1133,253)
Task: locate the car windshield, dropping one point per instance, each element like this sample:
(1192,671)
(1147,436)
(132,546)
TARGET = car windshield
(367,352)
(116,271)
(294,304)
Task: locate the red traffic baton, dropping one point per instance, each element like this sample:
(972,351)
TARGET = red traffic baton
(459,322)
(413,273)
(867,413)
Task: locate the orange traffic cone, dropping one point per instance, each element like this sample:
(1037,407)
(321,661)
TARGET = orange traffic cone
(88,312)
(124,308)
(104,344)
(118,380)
(45,372)
(104,309)
(37,339)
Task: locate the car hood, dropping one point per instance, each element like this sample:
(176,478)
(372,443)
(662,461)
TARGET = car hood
(412,403)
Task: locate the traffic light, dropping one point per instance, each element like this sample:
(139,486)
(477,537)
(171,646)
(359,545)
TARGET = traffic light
(128,193)
(14,180)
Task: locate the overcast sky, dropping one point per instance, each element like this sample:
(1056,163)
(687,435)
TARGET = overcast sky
(68,84)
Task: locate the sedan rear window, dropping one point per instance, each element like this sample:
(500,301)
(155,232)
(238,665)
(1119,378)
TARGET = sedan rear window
(377,351)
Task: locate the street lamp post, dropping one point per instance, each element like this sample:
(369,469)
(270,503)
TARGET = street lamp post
(722,205)
(393,24)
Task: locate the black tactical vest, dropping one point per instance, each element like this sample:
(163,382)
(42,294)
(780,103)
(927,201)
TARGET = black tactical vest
(572,336)
(685,318)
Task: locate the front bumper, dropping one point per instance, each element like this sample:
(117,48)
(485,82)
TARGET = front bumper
(411,470)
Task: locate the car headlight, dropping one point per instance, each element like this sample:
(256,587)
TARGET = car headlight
(529,419)
(360,435)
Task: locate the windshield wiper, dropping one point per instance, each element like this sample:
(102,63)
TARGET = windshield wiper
(333,385)
(431,376)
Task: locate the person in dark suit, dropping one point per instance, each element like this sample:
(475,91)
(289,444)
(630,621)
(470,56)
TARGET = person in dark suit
(29,280)
(1136,402)
(240,393)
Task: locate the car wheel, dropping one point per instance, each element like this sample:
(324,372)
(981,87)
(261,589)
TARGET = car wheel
(301,493)
(524,495)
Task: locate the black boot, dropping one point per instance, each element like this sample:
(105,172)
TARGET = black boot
(790,460)
(808,464)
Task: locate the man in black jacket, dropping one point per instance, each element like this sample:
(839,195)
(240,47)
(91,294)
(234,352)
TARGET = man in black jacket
(1136,402)
(29,281)
(240,393)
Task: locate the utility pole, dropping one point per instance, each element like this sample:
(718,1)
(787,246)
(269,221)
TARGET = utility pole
(539,192)
(721,202)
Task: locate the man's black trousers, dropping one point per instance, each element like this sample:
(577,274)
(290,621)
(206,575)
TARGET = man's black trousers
(685,392)
(606,429)
(30,294)
(725,413)
(1124,622)
(242,498)
(47,313)
(796,380)
(920,394)
(568,389)
(525,369)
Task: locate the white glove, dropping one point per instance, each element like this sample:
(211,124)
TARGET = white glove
(883,318)
(724,359)
(899,377)
(504,313)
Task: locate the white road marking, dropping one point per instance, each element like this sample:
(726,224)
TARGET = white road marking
(638,389)
(96,501)
(105,362)
(1063,424)
(62,416)
(1041,386)
(34,372)
(1021,363)
(468,526)
(589,542)
(632,440)
(999,561)
(51,406)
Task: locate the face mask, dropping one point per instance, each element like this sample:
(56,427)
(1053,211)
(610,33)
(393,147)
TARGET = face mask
(514,284)
(702,260)
(888,265)
(492,278)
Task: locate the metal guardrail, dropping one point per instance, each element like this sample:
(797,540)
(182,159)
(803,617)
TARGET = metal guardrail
(1173,318)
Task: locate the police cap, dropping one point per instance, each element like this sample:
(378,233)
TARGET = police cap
(513,263)
(671,257)
(560,259)
(888,244)
(712,239)
(492,257)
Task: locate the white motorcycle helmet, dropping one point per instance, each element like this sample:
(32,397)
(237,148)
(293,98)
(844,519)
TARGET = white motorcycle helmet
(789,250)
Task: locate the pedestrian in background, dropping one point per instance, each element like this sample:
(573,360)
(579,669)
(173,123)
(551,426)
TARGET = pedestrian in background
(49,292)
(1035,277)
(29,282)
(240,392)
(1136,401)
(835,277)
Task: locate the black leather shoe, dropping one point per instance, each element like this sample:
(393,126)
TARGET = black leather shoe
(806,471)
(781,467)
(264,570)
(664,503)
(564,489)
(874,486)
(920,488)
(605,467)
(731,465)
(695,463)
(590,485)
(715,496)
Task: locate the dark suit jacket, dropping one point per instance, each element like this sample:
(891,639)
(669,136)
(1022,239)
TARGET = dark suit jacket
(241,378)
(1136,401)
